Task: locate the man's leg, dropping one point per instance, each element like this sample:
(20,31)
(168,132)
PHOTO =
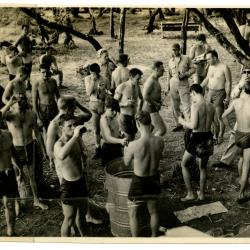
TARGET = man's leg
(185,101)
(158,123)
(186,175)
(96,124)
(10,214)
(154,218)
(80,217)
(203,177)
(219,111)
(175,104)
(31,174)
(69,212)
(245,172)
(133,218)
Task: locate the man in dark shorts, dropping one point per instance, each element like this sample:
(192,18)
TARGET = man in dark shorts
(152,98)
(242,135)
(130,101)
(219,82)
(145,186)
(111,141)
(96,88)
(44,97)
(8,184)
(70,153)
(24,46)
(50,60)
(198,139)
(21,122)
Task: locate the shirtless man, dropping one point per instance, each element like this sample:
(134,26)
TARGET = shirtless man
(21,122)
(24,46)
(145,186)
(66,105)
(152,98)
(96,88)
(70,154)
(219,83)
(50,60)
(106,66)
(121,73)
(44,97)
(130,101)
(180,69)
(197,54)
(110,132)
(198,139)
(17,85)
(13,62)
(8,184)
(242,135)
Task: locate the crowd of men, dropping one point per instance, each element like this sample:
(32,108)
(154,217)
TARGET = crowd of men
(127,123)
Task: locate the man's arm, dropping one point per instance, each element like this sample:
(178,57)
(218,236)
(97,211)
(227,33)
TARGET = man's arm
(128,154)
(192,53)
(227,112)
(35,97)
(140,103)
(54,63)
(56,91)
(106,133)
(6,108)
(90,85)
(193,123)
(86,112)
(191,69)
(206,80)
(8,92)
(38,135)
(228,84)
(62,151)
(51,139)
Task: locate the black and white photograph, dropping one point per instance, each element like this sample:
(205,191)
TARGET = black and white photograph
(124,122)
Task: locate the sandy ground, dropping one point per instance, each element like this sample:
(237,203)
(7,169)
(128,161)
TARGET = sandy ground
(143,50)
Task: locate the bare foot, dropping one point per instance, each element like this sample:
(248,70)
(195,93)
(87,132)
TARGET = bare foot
(189,197)
(41,205)
(201,196)
(90,219)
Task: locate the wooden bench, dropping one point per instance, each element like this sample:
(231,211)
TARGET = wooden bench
(176,26)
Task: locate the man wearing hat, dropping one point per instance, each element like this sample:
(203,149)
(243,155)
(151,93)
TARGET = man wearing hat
(111,141)
(180,69)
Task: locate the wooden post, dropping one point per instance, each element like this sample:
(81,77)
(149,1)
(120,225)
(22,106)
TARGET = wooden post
(112,28)
(122,30)
(184,31)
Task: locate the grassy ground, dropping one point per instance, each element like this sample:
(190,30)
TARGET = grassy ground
(142,49)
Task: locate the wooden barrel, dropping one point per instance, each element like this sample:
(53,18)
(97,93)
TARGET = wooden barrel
(117,183)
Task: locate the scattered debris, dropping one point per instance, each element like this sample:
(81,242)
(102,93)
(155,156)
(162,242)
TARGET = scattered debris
(199,211)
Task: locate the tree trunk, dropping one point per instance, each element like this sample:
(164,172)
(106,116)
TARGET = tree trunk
(62,28)
(150,27)
(93,30)
(240,15)
(122,30)
(228,17)
(184,31)
(221,39)
(112,24)
(75,12)
(161,15)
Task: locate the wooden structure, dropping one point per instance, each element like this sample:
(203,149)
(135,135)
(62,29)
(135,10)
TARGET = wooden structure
(177,26)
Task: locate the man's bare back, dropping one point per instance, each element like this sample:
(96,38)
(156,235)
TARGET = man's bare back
(205,112)
(147,155)
(119,75)
(241,106)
